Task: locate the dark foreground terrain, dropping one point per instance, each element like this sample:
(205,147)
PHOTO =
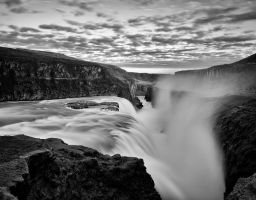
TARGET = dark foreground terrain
(35,169)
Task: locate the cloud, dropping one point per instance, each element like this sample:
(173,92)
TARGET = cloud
(60,10)
(146,2)
(76,39)
(143,2)
(78,13)
(22,10)
(19,10)
(57,28)
(216,42)
(184,28)
(134,31)
(114,27)
(74,23)
(213,15)
(13,27)
(224,16)
(243,17)
(135,36)
(16,6)
(10,3)
(24,29)
(103,15)
(234,39)
(83,5)
(160,21)
(104,41)
(91,27)
(136,21)
(163,29)
(163,41)
(28,29)
(118,28)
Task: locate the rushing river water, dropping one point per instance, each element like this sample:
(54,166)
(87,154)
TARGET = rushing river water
(175,140)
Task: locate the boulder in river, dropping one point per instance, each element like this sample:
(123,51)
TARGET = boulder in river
(113,106)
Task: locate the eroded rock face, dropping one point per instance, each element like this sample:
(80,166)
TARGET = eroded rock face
(236,129)
(32,75)
(245,189)
(52,169)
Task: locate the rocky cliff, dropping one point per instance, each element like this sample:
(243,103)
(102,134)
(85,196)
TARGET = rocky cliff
(236,129)
(32,169)
(36,75)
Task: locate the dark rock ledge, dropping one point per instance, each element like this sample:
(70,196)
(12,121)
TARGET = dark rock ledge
(35,169)
(245,189)
(113,106)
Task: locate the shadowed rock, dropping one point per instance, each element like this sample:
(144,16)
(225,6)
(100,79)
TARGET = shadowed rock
(113,106)
(51,169)
(245,189)
(236,129)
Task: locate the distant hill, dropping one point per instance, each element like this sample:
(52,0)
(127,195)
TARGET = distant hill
(240,74)
(34,75)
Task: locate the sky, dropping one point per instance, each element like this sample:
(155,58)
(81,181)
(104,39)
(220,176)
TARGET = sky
(154,36)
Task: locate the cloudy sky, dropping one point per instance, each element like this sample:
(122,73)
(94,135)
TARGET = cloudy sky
(138,35)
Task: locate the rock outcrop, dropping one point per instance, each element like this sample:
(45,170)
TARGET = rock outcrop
(245,189)
(49,169)
(113,106)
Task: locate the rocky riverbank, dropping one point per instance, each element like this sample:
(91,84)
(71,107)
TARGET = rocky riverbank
(32,169)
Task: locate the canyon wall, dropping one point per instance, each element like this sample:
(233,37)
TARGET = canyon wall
(36,75)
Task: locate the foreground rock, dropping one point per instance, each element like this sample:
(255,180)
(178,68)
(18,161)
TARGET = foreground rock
(112,106)
(33,169)
(245,189)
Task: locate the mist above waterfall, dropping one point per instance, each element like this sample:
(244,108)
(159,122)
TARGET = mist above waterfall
(175,138)
(181,129)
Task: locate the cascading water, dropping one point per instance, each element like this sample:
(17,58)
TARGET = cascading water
(174,139)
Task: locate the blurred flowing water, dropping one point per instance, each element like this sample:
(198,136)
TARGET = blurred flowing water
(174,139)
